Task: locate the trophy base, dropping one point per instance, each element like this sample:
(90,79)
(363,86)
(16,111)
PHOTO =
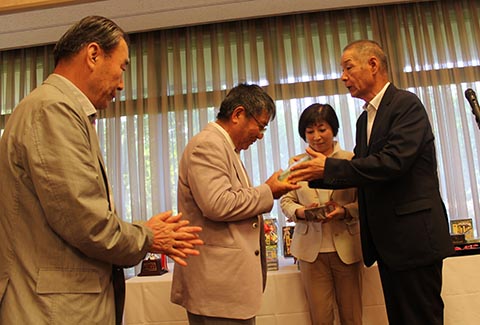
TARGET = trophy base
(152,267)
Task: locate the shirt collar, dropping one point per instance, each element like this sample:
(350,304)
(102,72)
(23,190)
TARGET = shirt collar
(225,134)
(336,148)
(86,104)
(375,102)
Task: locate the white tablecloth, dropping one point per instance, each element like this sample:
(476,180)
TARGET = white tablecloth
(148,298)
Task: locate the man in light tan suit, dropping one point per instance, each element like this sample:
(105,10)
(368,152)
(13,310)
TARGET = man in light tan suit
(224,284)
(59,235)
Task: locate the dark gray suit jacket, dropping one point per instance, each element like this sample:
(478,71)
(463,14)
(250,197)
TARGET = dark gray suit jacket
(403,219)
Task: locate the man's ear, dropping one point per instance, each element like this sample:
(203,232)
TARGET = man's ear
(93,51)
(237,113)
(374,65)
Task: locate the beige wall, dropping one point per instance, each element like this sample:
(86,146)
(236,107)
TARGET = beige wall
(7,6)
(35,22)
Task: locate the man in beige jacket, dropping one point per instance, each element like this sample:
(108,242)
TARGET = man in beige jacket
(224,284)
(60,237)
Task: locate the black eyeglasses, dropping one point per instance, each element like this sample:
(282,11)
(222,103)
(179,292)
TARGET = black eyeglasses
(262,128)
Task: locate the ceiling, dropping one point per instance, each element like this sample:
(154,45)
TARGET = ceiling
(35,22)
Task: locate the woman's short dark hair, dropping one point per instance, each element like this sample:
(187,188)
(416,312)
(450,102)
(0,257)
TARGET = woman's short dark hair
(252,97)
(317,113)
(90,29)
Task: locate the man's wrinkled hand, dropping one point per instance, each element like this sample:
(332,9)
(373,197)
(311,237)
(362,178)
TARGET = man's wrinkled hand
(309,170)
(173,237)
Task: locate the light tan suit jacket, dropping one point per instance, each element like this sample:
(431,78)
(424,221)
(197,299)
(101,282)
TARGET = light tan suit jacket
(307,236)
(228,277)
(58,235)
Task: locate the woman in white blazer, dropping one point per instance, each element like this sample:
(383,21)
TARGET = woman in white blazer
(329,251)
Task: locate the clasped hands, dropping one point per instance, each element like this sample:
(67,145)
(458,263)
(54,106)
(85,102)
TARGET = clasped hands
(173,237)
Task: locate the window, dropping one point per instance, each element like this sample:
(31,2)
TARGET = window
(177,78)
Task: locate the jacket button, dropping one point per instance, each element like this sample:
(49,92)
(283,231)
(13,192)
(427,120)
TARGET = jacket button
(255,225)
(257,252)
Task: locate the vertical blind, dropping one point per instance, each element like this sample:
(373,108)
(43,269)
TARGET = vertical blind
(178,77)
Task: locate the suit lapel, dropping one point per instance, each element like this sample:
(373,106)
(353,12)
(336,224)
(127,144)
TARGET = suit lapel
(102,170)
(361,148)
(241,172)
(381,111)
(106,184)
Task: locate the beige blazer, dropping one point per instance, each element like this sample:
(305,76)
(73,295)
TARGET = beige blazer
(307,236)
(58,235)
(228,277)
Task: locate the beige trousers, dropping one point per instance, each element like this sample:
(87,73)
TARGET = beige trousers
(207,320)
(329,281)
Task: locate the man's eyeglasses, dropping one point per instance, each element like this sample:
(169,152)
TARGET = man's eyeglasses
(262,128)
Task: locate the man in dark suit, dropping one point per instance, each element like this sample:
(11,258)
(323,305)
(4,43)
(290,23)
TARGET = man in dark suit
(403,220)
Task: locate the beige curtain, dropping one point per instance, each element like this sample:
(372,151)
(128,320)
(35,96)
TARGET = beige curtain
(178,78)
